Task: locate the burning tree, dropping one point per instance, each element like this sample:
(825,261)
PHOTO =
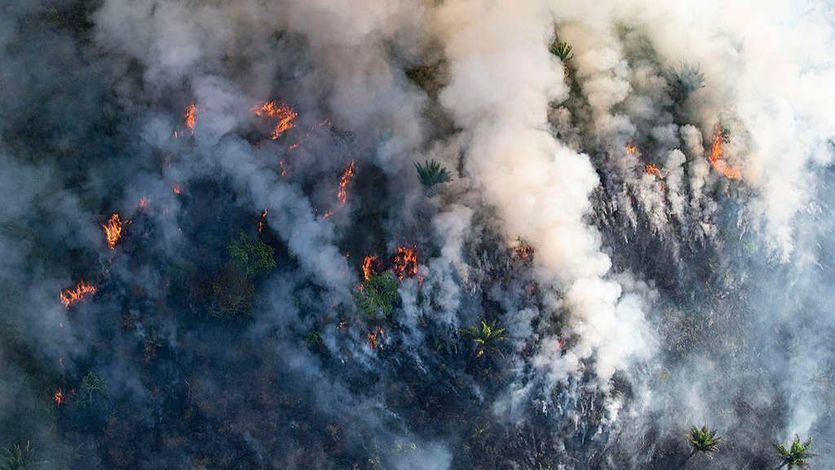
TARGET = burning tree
(113,230)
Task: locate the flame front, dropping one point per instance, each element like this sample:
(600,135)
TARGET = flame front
(716,161)
(631,149)
(283,114)
(262,221)
(190,117)
(113,230)
(374,337)
(654,170)
(344,180)
(58,397)
(405,262)
(368,267)
(71,296)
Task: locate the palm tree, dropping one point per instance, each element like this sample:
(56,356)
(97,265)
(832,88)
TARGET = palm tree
(431,173)
(796,454)
(704,440)
(561,49)
(487,337)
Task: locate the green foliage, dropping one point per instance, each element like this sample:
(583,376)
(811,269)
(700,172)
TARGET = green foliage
(487,337)
(251,256)
(796,454)
(377,295)
(431,173)
(704,440)
(90,385)
(687,79)
(16,457)
(313,339)
(561,49)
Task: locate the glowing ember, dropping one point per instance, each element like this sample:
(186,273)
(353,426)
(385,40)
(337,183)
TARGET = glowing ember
(283,114)
(113,230)
(262,221)
(368,267)
(327,215)
(375,337)
(190,117)
(58,397)
(143,203)
(654,170)
(177,189)
(631,149)
(405,262)
(716,160)
(344,180)
(283,165)
(523,251)
(71,296)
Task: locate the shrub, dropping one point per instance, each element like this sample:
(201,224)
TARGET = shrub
(377,295)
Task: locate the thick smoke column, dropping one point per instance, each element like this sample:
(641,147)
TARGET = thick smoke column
(415,233)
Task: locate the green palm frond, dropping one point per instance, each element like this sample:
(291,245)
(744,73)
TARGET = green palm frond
(431,173)
(561,49)
(796,454)
(704,440)
(486,337)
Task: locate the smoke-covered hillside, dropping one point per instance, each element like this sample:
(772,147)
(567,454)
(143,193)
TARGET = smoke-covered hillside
(417,234)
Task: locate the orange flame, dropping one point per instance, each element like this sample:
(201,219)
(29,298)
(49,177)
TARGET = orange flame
(523,251)
(113,230)
(285,115)
(631,149)
(405,262)
(58,397)
(654,170)
(717,162)
(177,189)
(344,180)
(368,267)
(70,296)
(262,221)
(375,337)
(190,117)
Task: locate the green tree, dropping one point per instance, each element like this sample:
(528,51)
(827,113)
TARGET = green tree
(561,49)
(251,256)
(233,292)
(702,440)
(377,295)
(796,454)
(487,337)
(16,457)
(90,385)
(431,173)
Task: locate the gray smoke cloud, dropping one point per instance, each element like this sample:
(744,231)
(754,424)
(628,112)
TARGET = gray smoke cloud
(633,236)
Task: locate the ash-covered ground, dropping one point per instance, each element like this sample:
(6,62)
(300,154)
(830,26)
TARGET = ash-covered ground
(416,234)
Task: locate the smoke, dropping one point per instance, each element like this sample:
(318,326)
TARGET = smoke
(531,234)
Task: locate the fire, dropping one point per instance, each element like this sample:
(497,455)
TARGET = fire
(368,269)
(654,170)
(375,337)
(716,160)
(190,117)
(282,164)
(631,149)
(70,296)
(344,180)
(523,251)
(143,203)
(262,221)
(58,397)
(113,230)
(405,262)
(177,189)
(283,114)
